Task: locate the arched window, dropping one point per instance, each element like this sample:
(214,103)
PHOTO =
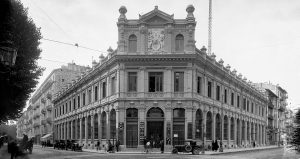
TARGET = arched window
(113,124)
(96,126)
(218,127)
(231,128)
(198,123)
(179,125)
(179,42)
(89,127)
(131,128)
(238,122)
(78,129)
(103,124)
(243,130)
(248,131)
(209,126)
(132,43)
(83,127)
(225,128)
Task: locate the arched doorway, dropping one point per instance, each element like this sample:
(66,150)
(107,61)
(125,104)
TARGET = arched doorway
(131,128)
(218,127)
(155,126)
(178,126)
(198,122)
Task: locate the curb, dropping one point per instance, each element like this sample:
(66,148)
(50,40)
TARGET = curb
(250,150)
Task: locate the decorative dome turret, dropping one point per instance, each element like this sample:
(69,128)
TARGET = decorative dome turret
(213,56)
(122,12)
(228,67)
(203,49)
(190,10)
(221,61)
(234,71)
(240,76)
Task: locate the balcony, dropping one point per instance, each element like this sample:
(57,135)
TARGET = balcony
(43,100)
(49,107)
(270,104)
(281,108)
(43,122)
(43,110)
(270,116)
(49,120)
(49,96)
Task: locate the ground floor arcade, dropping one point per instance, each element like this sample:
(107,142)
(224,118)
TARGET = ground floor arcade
(173,125)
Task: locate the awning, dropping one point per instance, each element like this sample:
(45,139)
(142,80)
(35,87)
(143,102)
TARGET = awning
(46,136)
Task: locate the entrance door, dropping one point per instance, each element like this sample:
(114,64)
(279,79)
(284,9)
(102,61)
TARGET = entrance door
(155,132)
(131,134)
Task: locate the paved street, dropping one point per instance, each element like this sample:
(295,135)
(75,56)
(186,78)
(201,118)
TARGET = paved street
(50,153)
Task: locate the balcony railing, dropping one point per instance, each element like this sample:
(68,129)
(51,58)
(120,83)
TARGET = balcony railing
(43,122)
(49,107)
(270,116)
(43,110)
(49,120)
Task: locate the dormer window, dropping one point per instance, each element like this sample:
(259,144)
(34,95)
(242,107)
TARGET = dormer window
(132,43)
(179,41)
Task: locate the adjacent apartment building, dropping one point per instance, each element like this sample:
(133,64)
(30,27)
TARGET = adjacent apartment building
(158,85)
(277,103)
(37,120)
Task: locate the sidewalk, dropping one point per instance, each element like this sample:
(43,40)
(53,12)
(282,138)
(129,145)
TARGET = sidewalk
(226,151)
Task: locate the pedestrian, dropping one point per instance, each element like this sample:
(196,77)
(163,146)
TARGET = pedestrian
(98,145)
(12,148)
(162,146)
(217,145)
(117,145)
(213,146)
(253,143)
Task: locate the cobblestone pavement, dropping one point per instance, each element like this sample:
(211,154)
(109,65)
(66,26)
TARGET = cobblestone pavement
(50,153)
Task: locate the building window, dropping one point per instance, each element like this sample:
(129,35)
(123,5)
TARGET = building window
(132,81)
(96,126)
(90,96)
(179,42)
(74,104)
(96,93)
(155,81)
(225,95)
(209,87)
(209,126)
(179,125)
(232,129)
(70,106)
(113,85)
(218,93)
(248,105)
(244,104)
(225,128)
(78,101)
(103,89)
(83,99)
(232,98)
(199,84)
(113,124)
(132,43)
(238,101)
(252,107)
(179,82)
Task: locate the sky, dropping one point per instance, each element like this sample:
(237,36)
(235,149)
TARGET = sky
(258,38)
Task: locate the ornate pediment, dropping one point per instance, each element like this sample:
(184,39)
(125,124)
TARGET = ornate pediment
(156,17)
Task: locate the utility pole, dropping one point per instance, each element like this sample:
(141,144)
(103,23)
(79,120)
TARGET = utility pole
(209,26)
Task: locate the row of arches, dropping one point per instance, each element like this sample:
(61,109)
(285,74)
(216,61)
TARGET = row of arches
(132,43)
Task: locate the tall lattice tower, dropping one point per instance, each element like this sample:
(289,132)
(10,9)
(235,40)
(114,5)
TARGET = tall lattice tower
(209,26)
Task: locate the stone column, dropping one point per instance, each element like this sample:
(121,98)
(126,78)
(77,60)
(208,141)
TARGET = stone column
(228,131)
(99,127)
(72,137)
(235,131)
(65,130)
(213,126)
(246,133)
(86,130)
(80,130)
(92,130)
(108,124)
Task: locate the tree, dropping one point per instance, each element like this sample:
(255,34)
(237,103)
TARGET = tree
(18,81)
(296,133)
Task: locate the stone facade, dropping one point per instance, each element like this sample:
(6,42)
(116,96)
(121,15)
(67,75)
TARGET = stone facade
(277,102)
(158,85)
(39,112)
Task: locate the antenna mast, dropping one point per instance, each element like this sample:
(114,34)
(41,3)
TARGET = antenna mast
(209,26)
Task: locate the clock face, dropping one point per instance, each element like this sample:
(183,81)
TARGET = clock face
(155,40)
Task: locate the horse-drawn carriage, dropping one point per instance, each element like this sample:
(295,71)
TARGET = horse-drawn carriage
(68,144)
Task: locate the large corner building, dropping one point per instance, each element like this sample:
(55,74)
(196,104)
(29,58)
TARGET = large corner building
(158,85)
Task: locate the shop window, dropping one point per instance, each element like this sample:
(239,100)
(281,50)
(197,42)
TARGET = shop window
(198,124)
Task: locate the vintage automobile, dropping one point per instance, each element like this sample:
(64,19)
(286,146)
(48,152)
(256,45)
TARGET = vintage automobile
(60,144)
(189,146)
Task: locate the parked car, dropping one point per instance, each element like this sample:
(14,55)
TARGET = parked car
(189,146)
